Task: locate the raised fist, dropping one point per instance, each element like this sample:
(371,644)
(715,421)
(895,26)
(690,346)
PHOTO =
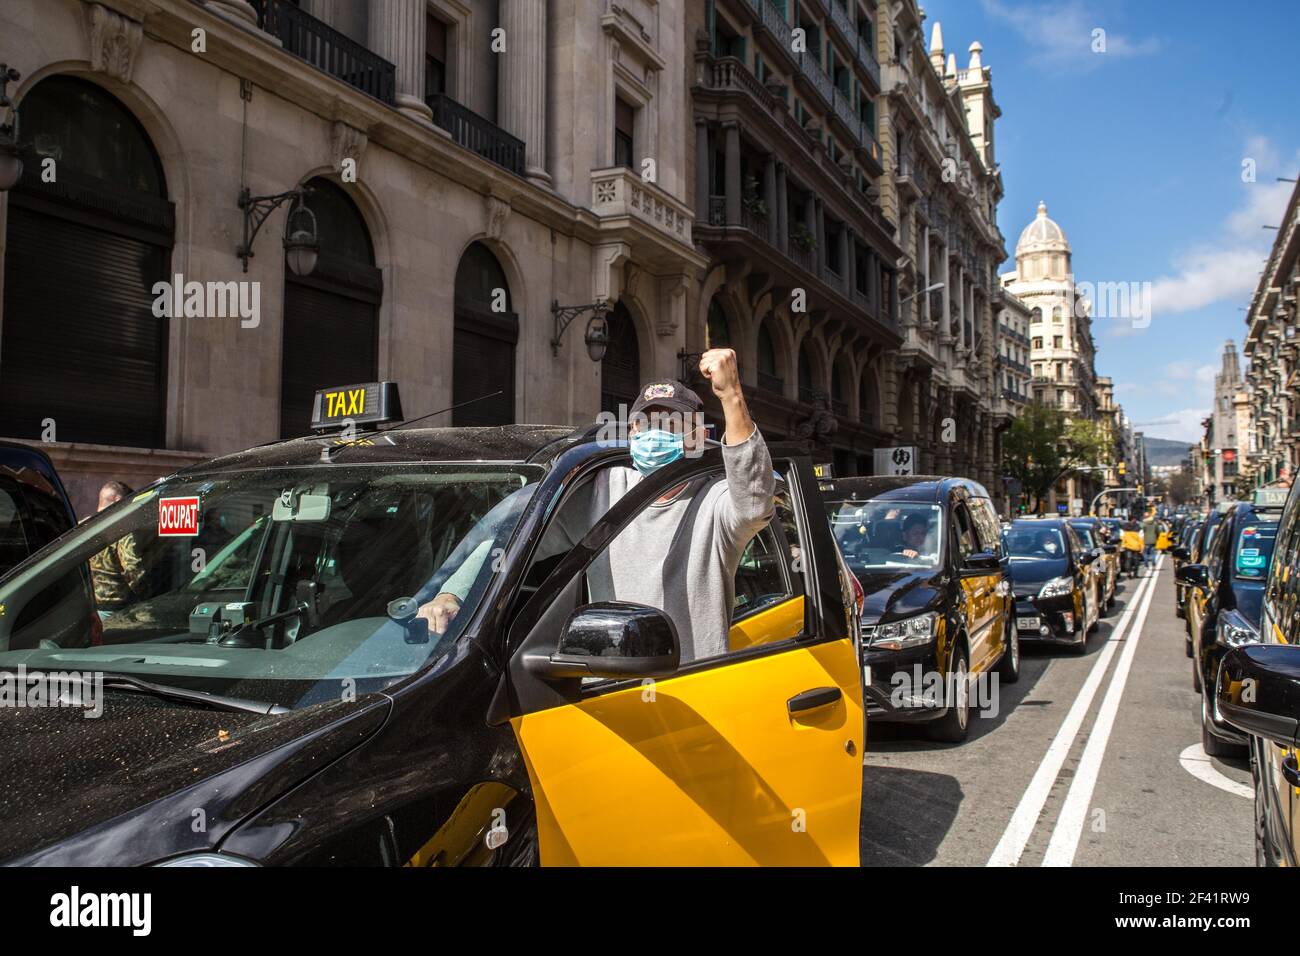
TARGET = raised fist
(719,367)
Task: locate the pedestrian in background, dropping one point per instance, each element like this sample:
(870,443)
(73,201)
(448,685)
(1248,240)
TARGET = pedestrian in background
(1150,535)
(117,572)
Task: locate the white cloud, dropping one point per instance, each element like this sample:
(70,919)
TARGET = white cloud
(1182,425)
(1063,34)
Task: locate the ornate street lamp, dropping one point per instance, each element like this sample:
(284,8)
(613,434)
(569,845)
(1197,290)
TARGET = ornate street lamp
(597,337)
(11,164)
(301,243)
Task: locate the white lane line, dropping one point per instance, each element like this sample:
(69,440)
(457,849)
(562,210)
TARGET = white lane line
(1069,824)
(1025,818)
(1197,762)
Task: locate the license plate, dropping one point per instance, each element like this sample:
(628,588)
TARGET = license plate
(1027,623)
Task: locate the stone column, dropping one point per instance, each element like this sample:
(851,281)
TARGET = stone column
(925,299)
(961,307)
(396,32)
(733,184)
(769,196)
(521,87)
(782,211)
(703,162)
(240,11)
(819,233)
(945,333)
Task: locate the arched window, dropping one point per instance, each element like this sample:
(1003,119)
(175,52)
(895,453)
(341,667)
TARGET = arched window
(719,329)
(620,369)
(769,376)
(487,330)
(82,256)
(331,317)
(807,391)
(868,403)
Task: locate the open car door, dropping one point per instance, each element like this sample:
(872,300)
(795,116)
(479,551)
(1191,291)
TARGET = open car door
(752,757)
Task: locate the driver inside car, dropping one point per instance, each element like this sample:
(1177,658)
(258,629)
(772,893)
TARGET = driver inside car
(916,536)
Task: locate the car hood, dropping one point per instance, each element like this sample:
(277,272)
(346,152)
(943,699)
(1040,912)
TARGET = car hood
(74,789)
(897,593)
(1028,575)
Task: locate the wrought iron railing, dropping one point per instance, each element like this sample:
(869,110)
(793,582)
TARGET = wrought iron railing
(478,134)
(810,68)
(327,49)
(775,23)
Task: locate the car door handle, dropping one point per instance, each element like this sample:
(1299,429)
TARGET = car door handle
(1290,771)
(812,699)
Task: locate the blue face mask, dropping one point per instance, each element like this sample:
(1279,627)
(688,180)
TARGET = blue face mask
(655,448)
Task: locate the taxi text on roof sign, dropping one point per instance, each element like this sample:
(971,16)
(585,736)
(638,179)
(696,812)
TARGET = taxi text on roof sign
(1270,497)
(370,403)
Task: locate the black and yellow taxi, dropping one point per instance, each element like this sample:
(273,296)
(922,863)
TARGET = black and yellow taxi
(1181,553)
(272,695)
(1257,692)
(1053,579)
(1230,579)
(34,507)
(935,616)
(1195,594)
(1095,535)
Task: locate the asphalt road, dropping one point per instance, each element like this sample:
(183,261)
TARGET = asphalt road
(1089,761)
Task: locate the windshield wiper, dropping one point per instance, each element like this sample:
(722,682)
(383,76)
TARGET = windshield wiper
(118,681)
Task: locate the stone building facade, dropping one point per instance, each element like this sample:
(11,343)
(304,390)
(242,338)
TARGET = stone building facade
(1272,347)
(470,164)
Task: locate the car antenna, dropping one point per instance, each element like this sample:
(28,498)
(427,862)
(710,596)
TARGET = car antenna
(327,455)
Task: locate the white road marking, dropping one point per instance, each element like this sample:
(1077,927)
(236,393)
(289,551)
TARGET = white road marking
(1197,762)
(1025,818)
(1069,823)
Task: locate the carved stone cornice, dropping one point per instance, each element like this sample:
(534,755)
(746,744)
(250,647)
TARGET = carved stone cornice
(114,42)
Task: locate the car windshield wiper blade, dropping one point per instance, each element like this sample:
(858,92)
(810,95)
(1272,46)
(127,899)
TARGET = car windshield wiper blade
(119,681)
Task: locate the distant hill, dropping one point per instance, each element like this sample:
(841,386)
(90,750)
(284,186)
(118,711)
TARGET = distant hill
(1162,451)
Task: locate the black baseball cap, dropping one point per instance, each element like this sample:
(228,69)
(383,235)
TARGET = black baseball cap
(670,394)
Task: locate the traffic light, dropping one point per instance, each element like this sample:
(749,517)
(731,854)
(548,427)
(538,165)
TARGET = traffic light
(1122,466)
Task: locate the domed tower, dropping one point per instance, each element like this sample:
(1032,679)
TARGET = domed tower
(1043,252)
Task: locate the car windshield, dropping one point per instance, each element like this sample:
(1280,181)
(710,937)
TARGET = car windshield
(1085,535)
(269,585)
(1020,541)
(1253,550)
(877,535)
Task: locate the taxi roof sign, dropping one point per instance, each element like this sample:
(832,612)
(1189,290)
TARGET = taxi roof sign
(371,403)
(1270,497)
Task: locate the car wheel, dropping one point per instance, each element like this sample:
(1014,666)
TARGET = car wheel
(1009,666)
(953,726)
(1212,745)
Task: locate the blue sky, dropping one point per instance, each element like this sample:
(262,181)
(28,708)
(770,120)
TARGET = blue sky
(1138,152)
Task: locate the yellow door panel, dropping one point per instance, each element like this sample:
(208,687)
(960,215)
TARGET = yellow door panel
(777,623)
(707,768)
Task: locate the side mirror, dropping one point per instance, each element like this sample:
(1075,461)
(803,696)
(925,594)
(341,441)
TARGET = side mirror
(612,640)
(981,562)
(1258,691)
(1181,553)
(1193,575)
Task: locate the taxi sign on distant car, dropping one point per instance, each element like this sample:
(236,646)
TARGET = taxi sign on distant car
(371,403)
(1270,497)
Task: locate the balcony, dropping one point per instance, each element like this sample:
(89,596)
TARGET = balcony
(327,49)
(817,79)
(619,192)
(842,21)
(477,134)
(773,23)
(771,383)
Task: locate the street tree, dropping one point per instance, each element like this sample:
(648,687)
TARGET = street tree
(1042,446)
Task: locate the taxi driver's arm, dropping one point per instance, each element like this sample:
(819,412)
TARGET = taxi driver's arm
(751,483)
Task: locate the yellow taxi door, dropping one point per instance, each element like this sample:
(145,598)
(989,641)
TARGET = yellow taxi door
(750,758)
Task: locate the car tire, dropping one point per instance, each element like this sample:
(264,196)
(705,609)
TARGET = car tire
(1009,666)
(1212,745)
(954,726)
(1081,646)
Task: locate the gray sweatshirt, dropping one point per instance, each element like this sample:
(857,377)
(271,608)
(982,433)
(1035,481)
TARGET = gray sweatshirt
(679,556)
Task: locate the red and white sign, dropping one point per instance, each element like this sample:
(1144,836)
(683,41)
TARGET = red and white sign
(178,517)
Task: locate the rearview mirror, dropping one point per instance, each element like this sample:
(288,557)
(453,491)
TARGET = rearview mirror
(1258,691)
(612,640)
(1193,575)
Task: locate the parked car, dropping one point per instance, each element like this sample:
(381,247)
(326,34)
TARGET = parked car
(1257,691)
(1095,534)
(1229,583)
(1201,544)
(927,554)
(1054,582)
(34,508)
(1180,553)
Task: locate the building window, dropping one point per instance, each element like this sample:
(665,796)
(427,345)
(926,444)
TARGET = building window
(483,348)
(1038,342)
(624,125)
(435,57)
(1056,342)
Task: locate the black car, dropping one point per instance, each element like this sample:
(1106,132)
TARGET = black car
(1057,600)
(927,554)
(274,691)
(1096,535)
(1193,553)
(1257,691)
(1225,612)
(34,508)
